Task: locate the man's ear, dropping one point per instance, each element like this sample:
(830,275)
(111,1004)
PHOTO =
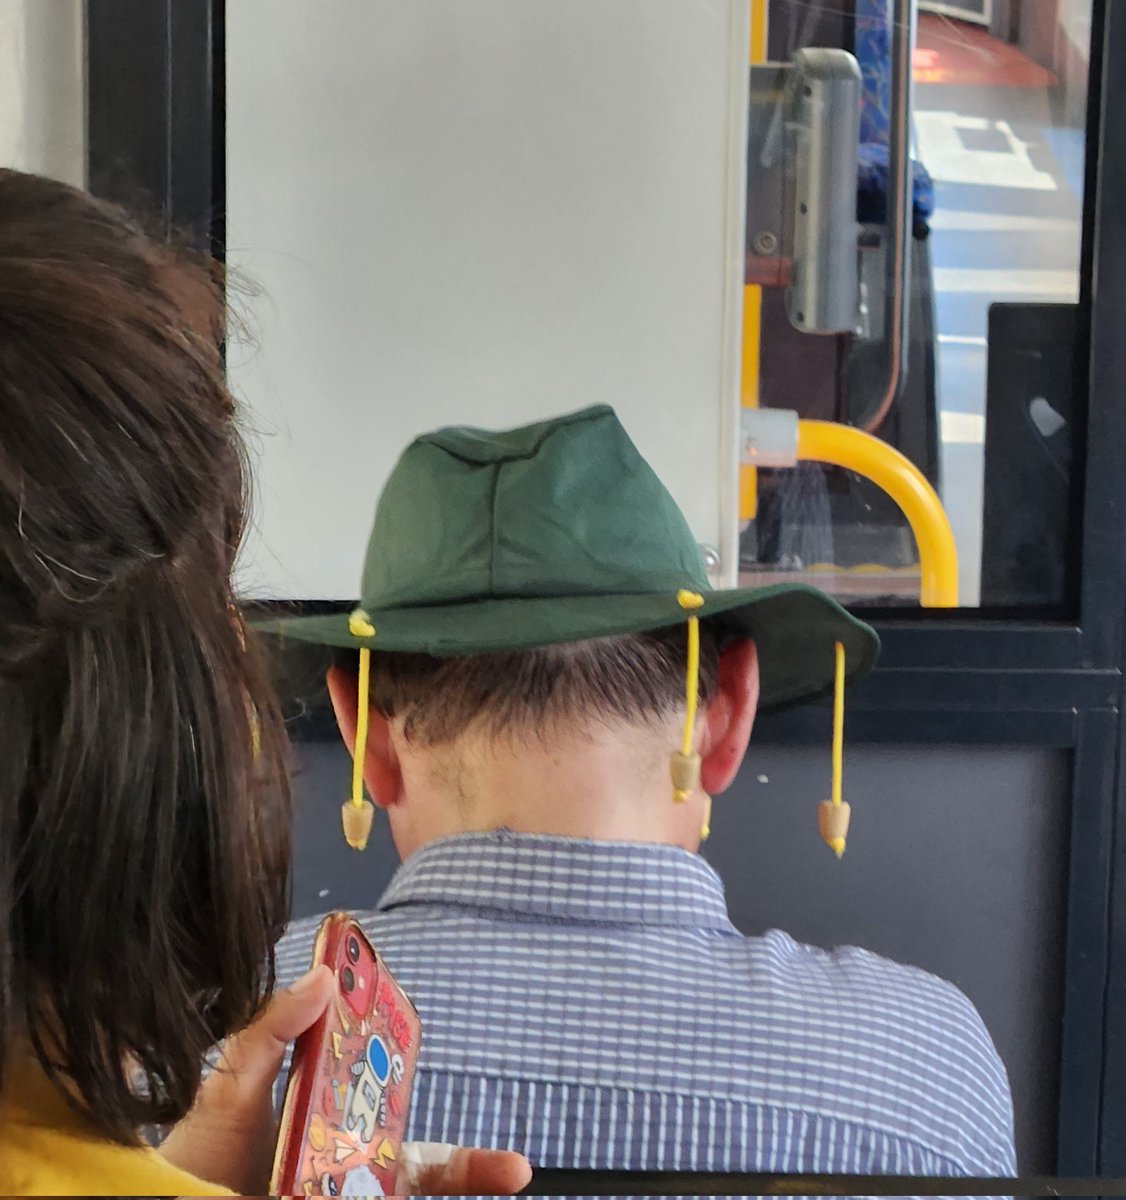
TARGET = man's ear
(729,717)
(382,774)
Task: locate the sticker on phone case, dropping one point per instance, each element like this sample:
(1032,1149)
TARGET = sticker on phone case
(364,1092)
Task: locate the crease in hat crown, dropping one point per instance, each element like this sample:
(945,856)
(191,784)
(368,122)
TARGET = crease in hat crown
(566,507)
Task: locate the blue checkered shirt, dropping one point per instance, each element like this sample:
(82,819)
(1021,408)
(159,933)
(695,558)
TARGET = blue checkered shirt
(591,1005)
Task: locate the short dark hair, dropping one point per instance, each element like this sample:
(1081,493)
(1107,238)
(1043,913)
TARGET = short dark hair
(638,678)
(144,810)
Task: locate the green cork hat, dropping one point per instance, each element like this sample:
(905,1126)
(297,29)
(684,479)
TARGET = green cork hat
(562,532)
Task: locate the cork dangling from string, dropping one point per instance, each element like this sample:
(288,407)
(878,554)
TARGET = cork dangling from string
(358,812)
(685,766)
(833,814)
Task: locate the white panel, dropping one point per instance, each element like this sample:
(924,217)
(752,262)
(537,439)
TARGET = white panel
(42,113)
(482,212)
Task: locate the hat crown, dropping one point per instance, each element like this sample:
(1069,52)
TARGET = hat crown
(566,507)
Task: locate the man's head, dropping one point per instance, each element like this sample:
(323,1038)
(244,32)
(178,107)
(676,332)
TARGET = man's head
(527,602)
(569,739)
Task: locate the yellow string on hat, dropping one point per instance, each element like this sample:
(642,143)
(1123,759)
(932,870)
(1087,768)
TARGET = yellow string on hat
(358,812)
(692,682)
(686,762)
(838,724)
(833,814)
(361,725)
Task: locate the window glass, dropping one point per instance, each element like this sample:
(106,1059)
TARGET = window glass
(990,394)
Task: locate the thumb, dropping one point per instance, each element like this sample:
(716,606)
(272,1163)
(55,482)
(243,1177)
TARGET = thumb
(298,1007)
(255,1055)
(429,1169)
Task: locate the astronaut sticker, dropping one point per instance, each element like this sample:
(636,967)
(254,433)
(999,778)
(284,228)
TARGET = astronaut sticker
(365,1103)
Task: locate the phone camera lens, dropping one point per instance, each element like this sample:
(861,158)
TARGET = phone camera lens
(354,949)
(347,980)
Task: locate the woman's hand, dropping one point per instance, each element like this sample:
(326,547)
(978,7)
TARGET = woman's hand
(228,1138)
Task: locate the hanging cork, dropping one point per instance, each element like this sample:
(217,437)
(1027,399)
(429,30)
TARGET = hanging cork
(832,824)
(357,819)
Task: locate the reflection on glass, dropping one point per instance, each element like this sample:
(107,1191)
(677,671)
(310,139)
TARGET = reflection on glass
(987,403)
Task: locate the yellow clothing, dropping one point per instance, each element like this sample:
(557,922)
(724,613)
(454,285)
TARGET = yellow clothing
(48,1150)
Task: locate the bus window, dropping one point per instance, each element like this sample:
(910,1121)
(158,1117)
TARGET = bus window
(988,289)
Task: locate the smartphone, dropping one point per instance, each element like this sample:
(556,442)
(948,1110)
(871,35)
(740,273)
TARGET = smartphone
(349,1087)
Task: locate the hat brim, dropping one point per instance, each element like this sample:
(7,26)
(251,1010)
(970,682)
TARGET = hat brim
(795,629)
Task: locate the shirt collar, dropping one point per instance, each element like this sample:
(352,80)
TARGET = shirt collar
(564,879)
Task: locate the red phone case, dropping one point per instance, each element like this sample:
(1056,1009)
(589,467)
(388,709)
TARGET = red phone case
(350,1083)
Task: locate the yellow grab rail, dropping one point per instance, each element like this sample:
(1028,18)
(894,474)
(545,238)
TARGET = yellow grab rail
(844,446)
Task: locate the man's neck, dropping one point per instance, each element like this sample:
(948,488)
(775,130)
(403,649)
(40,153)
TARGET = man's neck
(605,786)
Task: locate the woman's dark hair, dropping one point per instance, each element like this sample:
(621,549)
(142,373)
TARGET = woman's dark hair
(144,810)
